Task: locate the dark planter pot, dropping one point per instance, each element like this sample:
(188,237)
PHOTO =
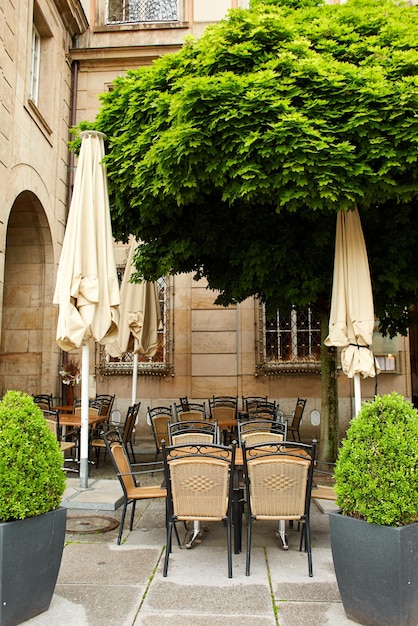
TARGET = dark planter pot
(377,571)
(30,558)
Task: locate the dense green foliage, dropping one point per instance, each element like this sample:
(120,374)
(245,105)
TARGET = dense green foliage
(230,158)
(377,467)
(32,480)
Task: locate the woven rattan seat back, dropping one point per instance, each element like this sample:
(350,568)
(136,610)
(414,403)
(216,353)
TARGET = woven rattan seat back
(159,425)
(260,437)
(278,487)
(190,416)
(52,425)
(201,431)
(261,431)
(220,413)
(278,481)
(200,489)
(129,425)
(123,466)
(199,480)
(223,407)
(191,438)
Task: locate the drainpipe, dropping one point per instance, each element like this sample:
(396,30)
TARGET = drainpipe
(73,119)
(70,181)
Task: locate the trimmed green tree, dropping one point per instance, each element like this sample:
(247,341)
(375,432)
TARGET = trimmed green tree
(32,480)
(230,158)
(376,471)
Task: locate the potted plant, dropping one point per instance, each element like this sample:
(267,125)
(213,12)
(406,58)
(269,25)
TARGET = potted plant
(374,538)
(32,523)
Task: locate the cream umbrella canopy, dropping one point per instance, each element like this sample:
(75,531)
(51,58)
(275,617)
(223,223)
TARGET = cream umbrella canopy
(352,312)
(140,319)
(87,289)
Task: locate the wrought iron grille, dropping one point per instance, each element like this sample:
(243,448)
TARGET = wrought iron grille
(131,11)
(160,363)
(289,343)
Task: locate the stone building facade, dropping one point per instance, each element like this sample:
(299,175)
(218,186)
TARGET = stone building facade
(206,350)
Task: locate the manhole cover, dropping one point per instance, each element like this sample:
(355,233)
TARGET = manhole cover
(91,524)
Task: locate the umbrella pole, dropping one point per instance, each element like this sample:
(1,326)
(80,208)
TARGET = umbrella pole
(357,394)
(84,432)
(135,372)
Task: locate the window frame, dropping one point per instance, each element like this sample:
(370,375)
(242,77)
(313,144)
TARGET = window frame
(307,364)
(126,19)
(35,65)
(124,366)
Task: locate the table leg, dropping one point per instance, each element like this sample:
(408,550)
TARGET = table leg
(237,508)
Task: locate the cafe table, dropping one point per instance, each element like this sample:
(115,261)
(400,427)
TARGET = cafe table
(73,420)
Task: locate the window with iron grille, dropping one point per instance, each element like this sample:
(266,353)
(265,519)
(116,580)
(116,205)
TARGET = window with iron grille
(289,343)
(134,11)
(160,363)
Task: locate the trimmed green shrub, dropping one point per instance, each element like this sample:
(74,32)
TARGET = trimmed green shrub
(376,471)
(31,477)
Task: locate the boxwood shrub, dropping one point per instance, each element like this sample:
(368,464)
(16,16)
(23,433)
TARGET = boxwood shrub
(32,480)
(376,471)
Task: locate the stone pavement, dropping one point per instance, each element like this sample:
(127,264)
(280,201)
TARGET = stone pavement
(102,584)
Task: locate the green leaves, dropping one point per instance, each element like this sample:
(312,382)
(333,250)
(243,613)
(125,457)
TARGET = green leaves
(32,481)
(274,112)
(377,468)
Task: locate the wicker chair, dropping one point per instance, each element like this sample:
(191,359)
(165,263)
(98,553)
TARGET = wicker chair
(295,420)
(128,477)
(44,401)
(159,417)
(107,404)
(199,487)
(126,430)
(190,412)
(192,432)
(249,401)
(225,408)
(260,431)
(52,421)
(278,480)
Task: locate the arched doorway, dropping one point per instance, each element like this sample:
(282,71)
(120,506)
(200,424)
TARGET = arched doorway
(28,357)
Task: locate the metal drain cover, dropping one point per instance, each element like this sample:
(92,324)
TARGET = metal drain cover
(90,524)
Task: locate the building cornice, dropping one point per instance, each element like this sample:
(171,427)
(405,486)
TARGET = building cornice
(73,16)
(122,53)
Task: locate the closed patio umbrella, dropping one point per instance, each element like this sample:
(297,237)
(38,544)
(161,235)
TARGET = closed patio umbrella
(140,319)
(352,312)
(87,290)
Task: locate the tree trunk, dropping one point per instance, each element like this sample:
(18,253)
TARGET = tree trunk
(329,406)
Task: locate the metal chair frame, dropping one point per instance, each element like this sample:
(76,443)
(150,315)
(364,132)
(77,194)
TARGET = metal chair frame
(199,482)
(159,417)
(278,481)
(128,477)
(293,426)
